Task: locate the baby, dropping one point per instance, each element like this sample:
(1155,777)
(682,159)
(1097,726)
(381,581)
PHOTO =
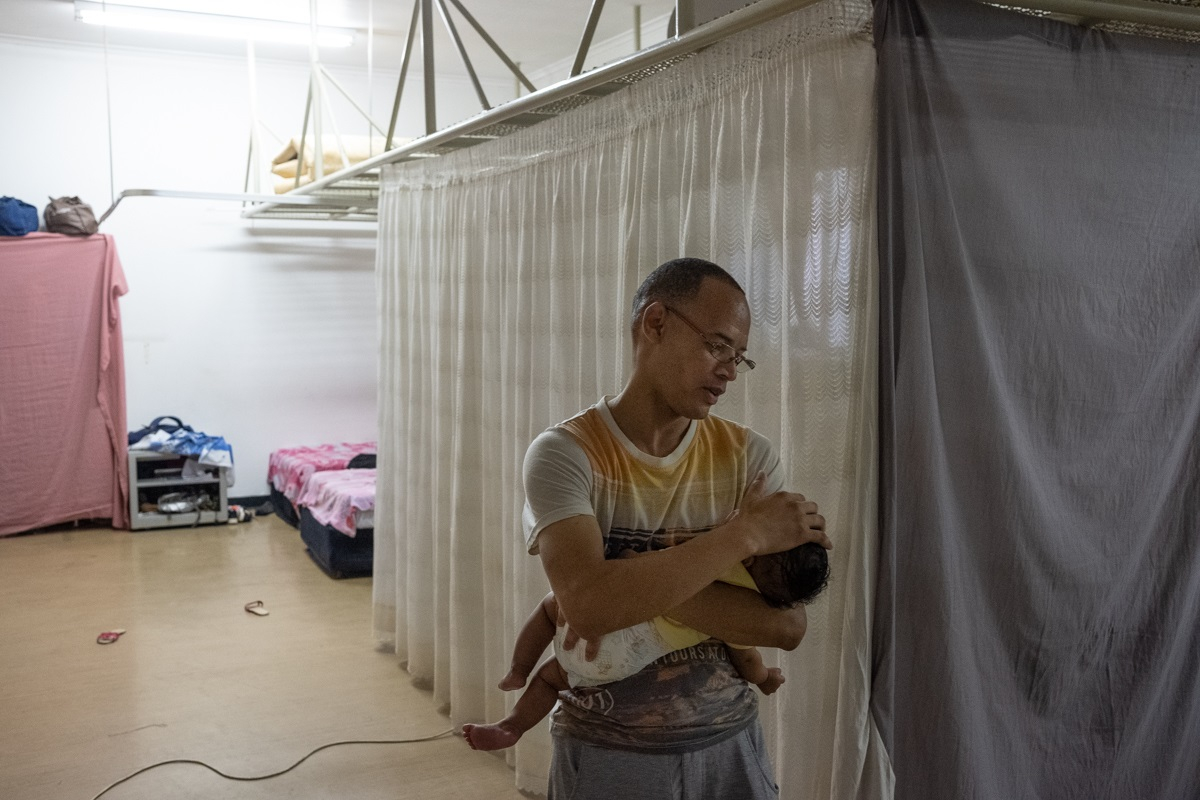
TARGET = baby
(784,579)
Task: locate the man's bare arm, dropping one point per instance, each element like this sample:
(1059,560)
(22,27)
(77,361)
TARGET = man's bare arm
(598,596)
(733,614)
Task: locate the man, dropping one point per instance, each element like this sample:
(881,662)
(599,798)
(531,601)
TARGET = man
(651,471)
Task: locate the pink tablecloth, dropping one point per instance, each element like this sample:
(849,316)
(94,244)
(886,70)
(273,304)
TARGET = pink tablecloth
(62,382)
(335,498)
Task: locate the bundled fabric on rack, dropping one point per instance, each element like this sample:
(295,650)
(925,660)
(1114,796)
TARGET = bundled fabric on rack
(337,153)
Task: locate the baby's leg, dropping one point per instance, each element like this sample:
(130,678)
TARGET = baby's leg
(749,664)
(534,704)
(536,635)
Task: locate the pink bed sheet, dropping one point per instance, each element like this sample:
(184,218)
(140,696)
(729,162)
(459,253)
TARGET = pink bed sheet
(62,382)
(334,498)
(289,469)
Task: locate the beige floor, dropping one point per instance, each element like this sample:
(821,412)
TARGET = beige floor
(196,677)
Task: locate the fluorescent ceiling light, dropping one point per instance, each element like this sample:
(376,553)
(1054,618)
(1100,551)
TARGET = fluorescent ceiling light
(214,25)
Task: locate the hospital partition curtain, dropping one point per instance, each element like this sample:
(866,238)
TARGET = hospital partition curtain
(505,276)
(1039,575)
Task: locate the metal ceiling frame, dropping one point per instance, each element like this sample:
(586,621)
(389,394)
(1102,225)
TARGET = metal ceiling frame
(530,109)
(351,194)
(579,88)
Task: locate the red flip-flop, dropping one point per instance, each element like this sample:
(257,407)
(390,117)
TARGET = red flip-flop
(108,637)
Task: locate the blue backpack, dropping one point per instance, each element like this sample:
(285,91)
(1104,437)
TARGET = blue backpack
(17,218)
(163,424)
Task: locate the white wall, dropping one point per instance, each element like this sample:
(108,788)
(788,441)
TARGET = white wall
(263,332)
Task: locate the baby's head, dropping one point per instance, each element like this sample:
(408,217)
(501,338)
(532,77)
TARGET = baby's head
(792,577)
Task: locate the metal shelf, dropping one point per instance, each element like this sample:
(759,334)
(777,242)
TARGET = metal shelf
(145,520)
(155,486)
(177,481)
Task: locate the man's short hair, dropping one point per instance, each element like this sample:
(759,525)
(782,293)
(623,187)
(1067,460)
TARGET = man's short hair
(803,573)
(675,282)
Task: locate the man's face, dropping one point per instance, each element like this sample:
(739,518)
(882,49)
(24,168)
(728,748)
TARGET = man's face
(690,378)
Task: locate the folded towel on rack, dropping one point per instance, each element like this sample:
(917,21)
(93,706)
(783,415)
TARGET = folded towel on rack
(337,153)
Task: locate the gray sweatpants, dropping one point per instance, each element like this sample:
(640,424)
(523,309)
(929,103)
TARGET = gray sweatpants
(735,769)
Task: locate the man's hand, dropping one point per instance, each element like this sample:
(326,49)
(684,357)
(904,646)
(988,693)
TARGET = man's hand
(780,521)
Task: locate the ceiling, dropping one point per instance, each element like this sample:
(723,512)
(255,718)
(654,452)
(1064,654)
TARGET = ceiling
(534,33)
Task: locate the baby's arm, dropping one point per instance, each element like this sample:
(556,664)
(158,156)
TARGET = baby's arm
(749,664)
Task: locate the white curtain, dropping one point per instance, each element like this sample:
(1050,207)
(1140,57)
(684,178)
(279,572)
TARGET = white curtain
(505,275)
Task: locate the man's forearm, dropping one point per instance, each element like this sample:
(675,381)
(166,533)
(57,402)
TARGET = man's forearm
(598,596)
(734,614)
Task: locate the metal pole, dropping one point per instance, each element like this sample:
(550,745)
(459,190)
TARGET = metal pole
(253,161)
(370,122)
(408,46)
(589,30)
(514,68)
(637,28)
(427,57)
(685,17)
(303,134)
(462,52)
(370,79)
(318,100)
(271,199)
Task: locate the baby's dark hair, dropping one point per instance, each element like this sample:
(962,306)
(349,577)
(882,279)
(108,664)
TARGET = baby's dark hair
(801,574)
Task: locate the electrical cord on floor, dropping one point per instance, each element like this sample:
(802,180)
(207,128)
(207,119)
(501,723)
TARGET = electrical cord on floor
(112,786)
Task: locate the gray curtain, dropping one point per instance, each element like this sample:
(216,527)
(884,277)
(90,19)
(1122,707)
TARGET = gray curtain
(1038,612)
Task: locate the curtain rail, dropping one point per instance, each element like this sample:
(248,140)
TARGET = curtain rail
(1142,12)
(341,204)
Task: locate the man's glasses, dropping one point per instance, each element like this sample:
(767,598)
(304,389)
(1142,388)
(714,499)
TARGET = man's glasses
(722,352)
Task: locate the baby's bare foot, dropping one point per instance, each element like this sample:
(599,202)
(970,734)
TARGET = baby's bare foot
(513,680)
(490,737)
(774,680)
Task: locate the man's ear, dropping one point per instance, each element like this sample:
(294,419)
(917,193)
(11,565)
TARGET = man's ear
(654,317)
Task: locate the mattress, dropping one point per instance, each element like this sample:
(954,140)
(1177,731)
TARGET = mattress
(342,499)
(289,468)
(340,556)
(284,508)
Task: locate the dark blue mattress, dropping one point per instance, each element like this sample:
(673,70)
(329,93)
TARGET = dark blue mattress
(341,556)
(284,508)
